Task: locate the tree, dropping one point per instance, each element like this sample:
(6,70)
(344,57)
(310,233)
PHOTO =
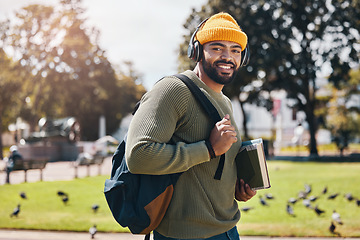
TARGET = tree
(10,92)
(70,73)
(343,123)
(343,115)
(320,34)
(291,42)
(255,81)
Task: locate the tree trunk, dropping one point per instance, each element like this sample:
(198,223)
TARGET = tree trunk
(1,143)
(245,130)
(311,119)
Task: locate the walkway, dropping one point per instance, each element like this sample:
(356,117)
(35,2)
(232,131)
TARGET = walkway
(58,171)
(47,235)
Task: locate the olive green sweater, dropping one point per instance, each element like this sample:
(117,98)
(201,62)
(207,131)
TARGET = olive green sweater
(166,135)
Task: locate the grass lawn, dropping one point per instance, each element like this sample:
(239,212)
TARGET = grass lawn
(287,180)
(44,209)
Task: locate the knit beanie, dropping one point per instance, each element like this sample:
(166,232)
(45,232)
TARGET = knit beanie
(221,27)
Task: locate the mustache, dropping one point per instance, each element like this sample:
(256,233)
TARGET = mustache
(225,62)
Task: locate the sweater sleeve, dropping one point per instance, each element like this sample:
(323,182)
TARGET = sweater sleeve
(150,147)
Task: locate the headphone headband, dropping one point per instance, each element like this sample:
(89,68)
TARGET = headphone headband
(195,48)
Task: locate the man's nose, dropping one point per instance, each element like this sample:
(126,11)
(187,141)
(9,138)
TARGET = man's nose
(226,54)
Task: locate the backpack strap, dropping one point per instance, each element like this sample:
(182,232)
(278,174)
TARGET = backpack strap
(210,110)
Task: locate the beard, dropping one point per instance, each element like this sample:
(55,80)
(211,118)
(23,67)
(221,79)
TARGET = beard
(211,71)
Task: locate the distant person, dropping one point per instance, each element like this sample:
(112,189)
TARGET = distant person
(13,159)
(170,133)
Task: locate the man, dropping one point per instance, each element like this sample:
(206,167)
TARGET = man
(170,133)
(14,159)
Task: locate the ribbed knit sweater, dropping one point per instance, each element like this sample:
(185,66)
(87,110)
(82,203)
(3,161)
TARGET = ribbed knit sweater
(167,135)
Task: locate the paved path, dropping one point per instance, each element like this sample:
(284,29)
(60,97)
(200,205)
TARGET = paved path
(48,235)
(57,171)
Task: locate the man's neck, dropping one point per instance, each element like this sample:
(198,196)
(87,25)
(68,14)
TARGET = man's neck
(199,71)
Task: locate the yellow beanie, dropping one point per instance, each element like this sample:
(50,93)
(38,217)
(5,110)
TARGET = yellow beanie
(221,27)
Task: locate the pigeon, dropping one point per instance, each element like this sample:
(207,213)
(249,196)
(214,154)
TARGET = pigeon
(65,199)
(95,207)
(357,202)
(92,231)
(318,211)
(246,209)
(302,195)
(23,195)
(61,193)
(263,202)
(336,217)
(333,196)
(306,203)
(332,227)
(269,196)
(292,200)
(324,191)
(307,188)
(313,198)
(16,211)
(349,196)
(290,210)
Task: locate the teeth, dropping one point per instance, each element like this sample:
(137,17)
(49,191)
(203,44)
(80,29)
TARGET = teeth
(224,67)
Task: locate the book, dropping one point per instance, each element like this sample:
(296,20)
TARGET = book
(251,164)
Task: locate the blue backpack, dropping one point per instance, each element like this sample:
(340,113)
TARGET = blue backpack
(140,201)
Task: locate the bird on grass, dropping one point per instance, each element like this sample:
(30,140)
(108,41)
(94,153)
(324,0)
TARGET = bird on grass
(333,196)
(290,210)
(16,211)
(65,199)
(269,196)
(302,195)
(313,198)
(23,195)
(357,201)
(306,203)
(318,211)
(324,191)
(246,209)
(332,228)
(61,193)
(92,231)
(262,201)
(307,188)
(336,217)
(292,200)
(349,197)
(95,207)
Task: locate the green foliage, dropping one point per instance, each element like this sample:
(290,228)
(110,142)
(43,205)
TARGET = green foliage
(44,209)
(11,78)
(290,43)
(69,74)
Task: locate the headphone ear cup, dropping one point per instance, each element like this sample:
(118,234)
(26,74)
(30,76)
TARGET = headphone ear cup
(190,51)
(245,56)
(197,51)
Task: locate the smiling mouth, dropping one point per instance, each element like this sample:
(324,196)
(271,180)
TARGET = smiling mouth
(225,68)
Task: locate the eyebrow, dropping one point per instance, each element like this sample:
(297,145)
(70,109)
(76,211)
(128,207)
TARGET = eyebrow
(223,45)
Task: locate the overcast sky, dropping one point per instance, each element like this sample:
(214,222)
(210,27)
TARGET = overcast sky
(146,32)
